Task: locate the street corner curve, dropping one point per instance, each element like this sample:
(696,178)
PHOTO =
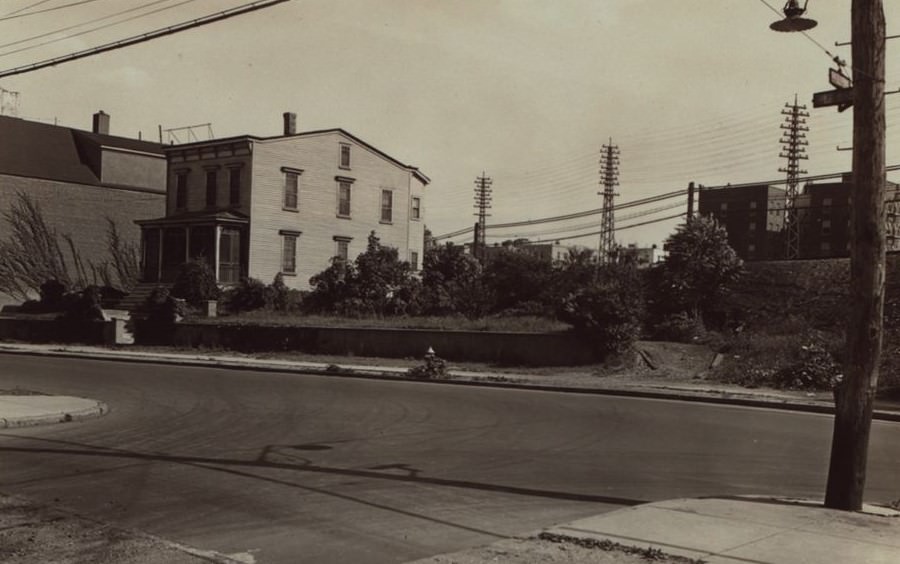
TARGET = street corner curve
(98,409)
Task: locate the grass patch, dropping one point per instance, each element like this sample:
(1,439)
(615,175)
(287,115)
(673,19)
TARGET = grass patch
(525,324)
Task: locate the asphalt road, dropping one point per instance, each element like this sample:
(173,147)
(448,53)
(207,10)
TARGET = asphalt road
(288,468)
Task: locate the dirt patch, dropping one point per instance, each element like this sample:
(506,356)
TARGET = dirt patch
(34,534)
(552,551)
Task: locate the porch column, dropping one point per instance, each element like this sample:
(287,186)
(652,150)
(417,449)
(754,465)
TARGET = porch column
(187,244)
(218,236)
(159,253)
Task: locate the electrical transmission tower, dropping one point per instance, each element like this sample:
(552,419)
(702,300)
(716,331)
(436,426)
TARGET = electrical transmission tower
(482,204)
(793,139)
(609,179)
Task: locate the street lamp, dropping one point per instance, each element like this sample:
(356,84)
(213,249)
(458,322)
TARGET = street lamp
(793,20)
(855,394)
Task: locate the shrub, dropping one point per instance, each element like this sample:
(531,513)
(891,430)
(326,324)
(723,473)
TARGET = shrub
(249,295)
(162,308)
(608,311)
(52,292)
(196,283)
(281,298)
(680,328)
(83,306)
(817,369)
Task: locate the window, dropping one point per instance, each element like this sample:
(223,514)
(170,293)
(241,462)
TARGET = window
(416,212)
(752,205)
(752,226)
(234,186)
(826,202)
(181,190)
(414,260)
(291,189)
(289,253)
(751,248)
(387,206)
(723,206)
(826,246)
(345,156)
(826,226)
(343,199)
(342,248)
(212,182)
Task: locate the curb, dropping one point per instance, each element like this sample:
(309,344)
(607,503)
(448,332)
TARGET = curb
(97,410)
(400,375)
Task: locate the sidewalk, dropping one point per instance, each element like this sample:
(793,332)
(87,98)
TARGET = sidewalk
(19,410)
(712,530)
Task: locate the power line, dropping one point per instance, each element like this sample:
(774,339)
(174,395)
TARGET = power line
(218,16)
(74,26)
(16,15)
(28,7)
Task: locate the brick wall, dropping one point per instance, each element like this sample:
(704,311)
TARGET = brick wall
(80,211)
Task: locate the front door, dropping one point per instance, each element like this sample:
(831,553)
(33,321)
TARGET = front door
(230,256)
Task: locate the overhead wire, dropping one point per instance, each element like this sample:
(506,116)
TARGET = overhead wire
(24,8)
(45,10)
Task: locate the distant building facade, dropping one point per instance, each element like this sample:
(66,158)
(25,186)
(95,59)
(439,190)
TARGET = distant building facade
(81,178)
(643,257)
(753,216)
(823,213)
(262,206)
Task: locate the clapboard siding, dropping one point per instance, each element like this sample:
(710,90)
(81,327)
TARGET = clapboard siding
(316,218)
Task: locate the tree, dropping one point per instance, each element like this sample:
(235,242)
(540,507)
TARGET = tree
(700,265)
(452,283)
(519,279)
(377,282)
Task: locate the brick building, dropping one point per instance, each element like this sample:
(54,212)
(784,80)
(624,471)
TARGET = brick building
(79,178)
(260,206)
(753,216)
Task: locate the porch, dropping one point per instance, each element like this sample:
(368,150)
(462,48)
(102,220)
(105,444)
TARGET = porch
(219,238)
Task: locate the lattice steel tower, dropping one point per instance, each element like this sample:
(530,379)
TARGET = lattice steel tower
(482,204)
(609,179)
(793,139)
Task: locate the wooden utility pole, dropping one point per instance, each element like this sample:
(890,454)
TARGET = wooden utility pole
(854,396)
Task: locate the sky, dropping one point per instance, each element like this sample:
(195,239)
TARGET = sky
(525,91)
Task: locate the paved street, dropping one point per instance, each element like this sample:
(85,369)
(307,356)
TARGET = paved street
(288,468)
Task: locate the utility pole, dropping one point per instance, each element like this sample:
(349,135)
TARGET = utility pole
(854,396)
(690,210)
(794,142)
(482,204)
(609,179)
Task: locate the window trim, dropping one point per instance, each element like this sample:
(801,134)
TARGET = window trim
(289,235)
(290,172)
(338,241)
(342,147)
(414,264)
(389,209)
(212,172)
(181,190)
(417,216)
(341,182)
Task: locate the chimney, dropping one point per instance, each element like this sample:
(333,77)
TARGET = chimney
(101,123)
(290,123)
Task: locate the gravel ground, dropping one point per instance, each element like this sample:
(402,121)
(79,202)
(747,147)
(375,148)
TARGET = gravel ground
(555,550)
(35,534)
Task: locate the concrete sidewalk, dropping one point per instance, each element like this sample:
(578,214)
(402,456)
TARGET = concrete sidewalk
(26,410)
(712,530)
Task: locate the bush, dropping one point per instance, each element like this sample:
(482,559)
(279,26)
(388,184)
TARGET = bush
(196,283)
(83,306)
(281,298)
(249,295)
(817,369)
(52,292)
(679,328)
(162,308)
(608,311)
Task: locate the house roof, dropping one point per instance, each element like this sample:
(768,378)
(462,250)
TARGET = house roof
(51,152)
(195,217)
(414,170)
